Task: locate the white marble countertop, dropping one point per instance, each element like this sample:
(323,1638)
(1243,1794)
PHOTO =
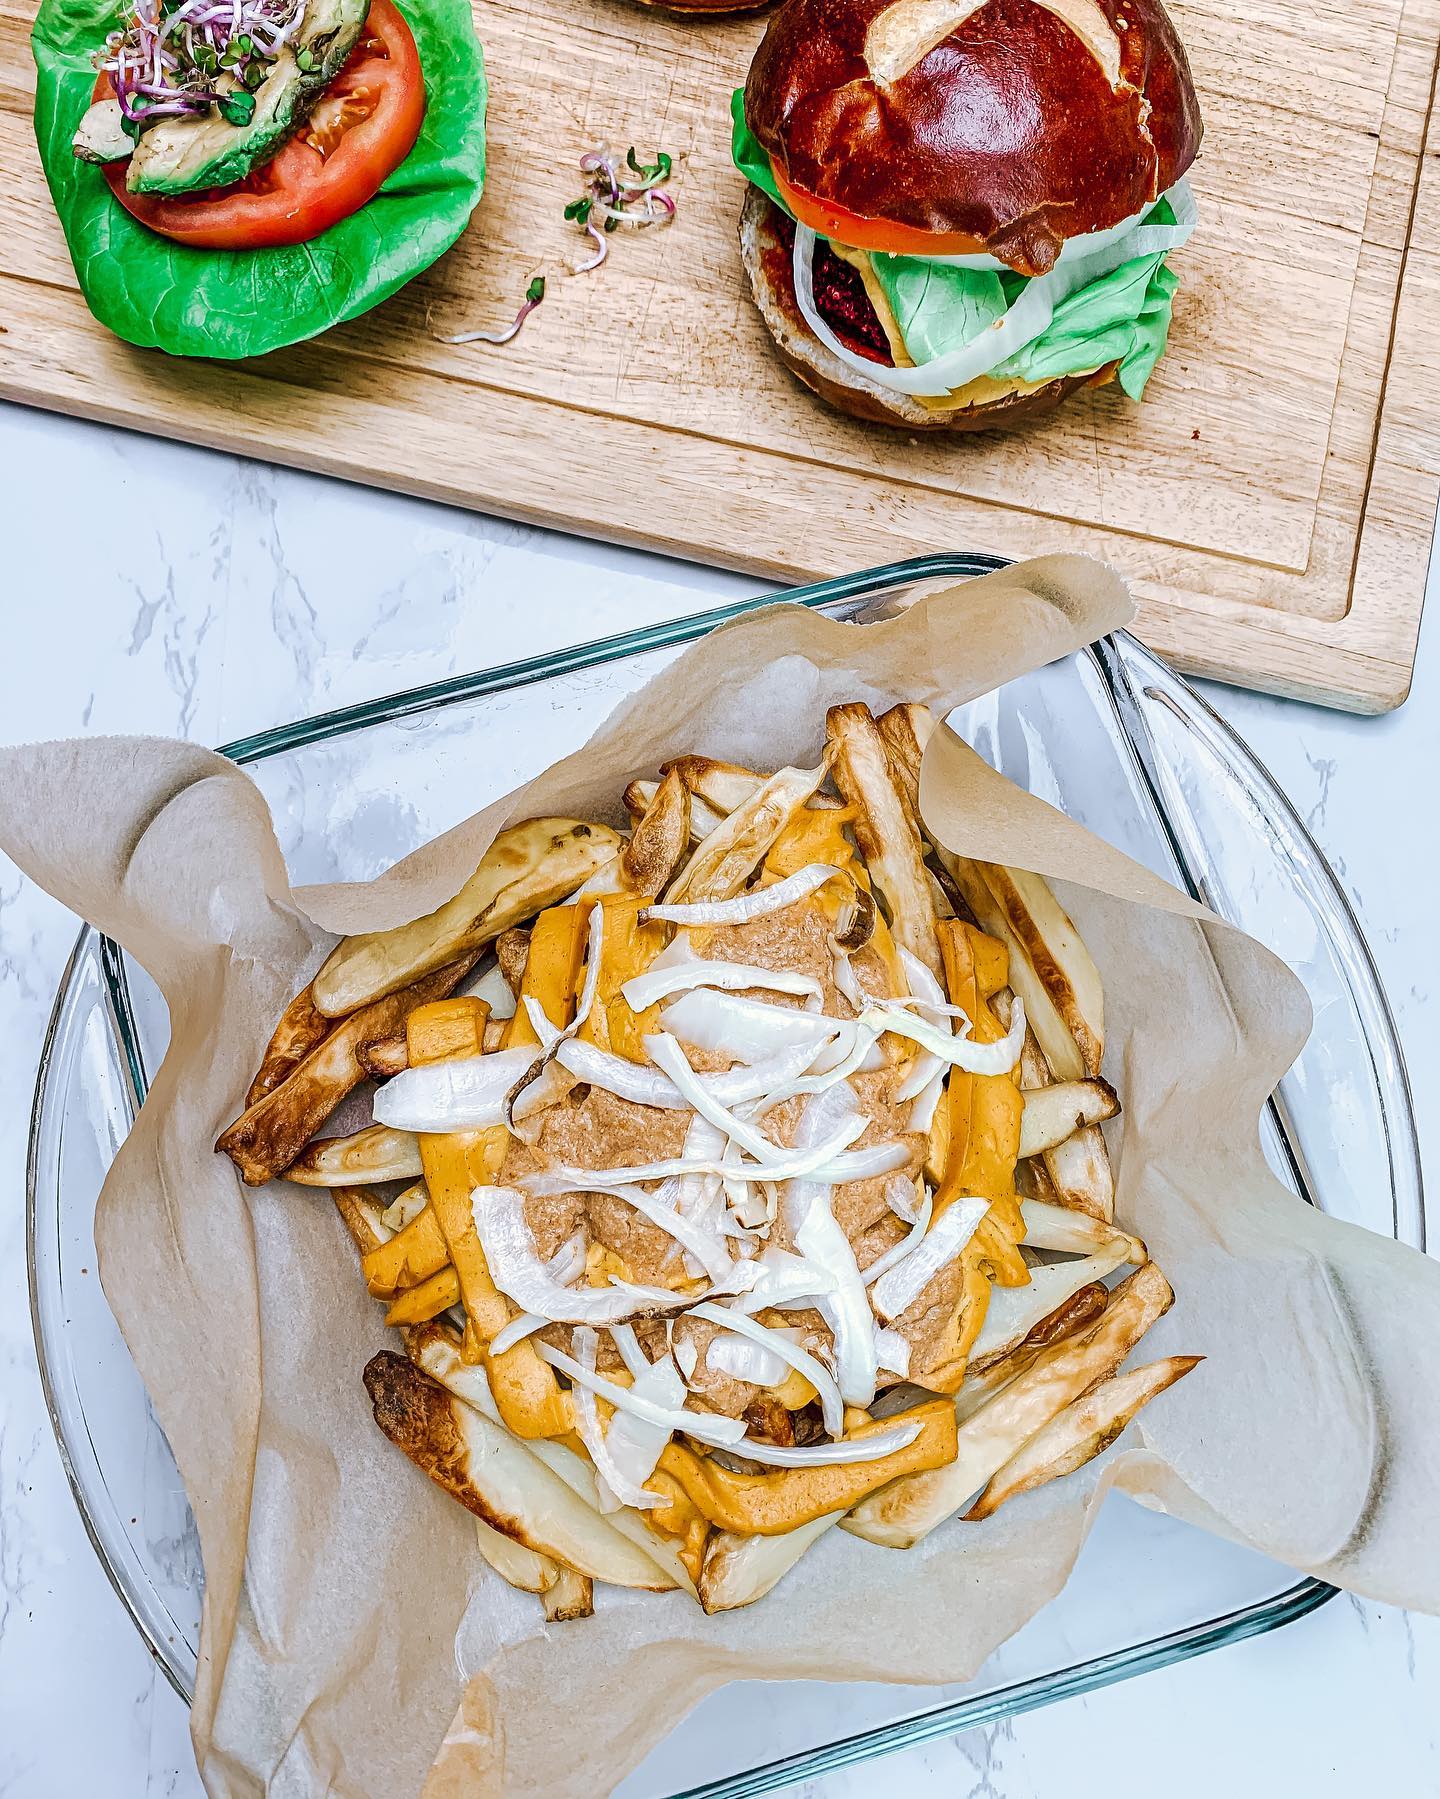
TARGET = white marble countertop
(235,596)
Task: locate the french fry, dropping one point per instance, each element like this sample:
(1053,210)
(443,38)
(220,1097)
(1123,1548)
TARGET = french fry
(386,1058)
(375,1154)
(779,1500)
(1076,1233)
(528,867)
(1075,1314)
(300,1029)
(885,830)
(266,1139)
(905,730)
(1081,1174)
(722,786)
(433,1349)
(721,863)
(525,1569)
(739,1570)
(496,1478)
(660,839)
(899,1515)
(362,1217)
(407,1207)
(427,1300)
(703,817)
(412,1255)
(1086,1427)
(1014,1312)
(512,948)
(572,1596)
(1056,1112)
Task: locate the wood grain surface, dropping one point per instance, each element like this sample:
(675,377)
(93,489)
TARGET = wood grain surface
(1272,499)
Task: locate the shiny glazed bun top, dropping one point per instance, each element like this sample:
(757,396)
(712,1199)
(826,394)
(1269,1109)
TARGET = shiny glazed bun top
(1002,126)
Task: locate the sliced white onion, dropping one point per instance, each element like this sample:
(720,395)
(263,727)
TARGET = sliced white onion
(736,1355)
(817,1235)
(922,1113)
(759,902)
(645,990)
(847,982)
(777,1279)
(903,1284)
(687,1357)
(861,1164)
(1030,315)
(613,1476)
(821,1455)
(893,1350)
(494,989)
(518,1272)
(548,1088)
(463,1095)
(910,1241)
(999,1057)
(832,1406)
(705,1427)
(594,947)
(548,1033)
(648,1087)
(900,1196)
(636,1445)
(525,1324)
(707,1247)
(930,996)
(728,1024)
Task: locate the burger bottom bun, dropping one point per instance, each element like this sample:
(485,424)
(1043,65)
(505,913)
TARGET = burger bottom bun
(996,404)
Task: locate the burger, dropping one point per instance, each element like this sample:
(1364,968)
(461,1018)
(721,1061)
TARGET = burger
(960,211)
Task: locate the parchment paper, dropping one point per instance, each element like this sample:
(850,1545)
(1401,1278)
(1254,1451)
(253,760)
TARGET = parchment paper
(351,1636)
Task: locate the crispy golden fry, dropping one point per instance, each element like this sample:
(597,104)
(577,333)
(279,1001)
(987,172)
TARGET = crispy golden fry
(1076,1171)
(525,1569)
(1073,1232)
(1056,1112)
(1076,1313)
(412,1255)
(777,1501)
(386,1058)
(419,1304)
(1050,967)
(907,1510)
(1014,1312)
(267,1138)
(407,1206)
(512,949)
(301,1027)
(723,862)
(703,817)
(739,1570)
(437,1353)
(660,839)
(375,1154)
(905,730)
(572,1596)
(723,786)
(885,830)
(1085,1428)
(496,1478)
(528,867)
(1080,1172)
(362,1217)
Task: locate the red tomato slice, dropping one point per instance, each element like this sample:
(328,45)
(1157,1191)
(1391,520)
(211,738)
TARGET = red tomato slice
(363,127)
(860,233)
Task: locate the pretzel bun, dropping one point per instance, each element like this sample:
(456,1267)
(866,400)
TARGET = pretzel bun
(985,404)
(1007,126)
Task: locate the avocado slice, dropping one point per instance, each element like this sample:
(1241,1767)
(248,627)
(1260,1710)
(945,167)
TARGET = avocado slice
(102,136)
(183,156)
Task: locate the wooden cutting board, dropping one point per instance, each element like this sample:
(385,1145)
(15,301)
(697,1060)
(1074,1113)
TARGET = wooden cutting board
(1272,499)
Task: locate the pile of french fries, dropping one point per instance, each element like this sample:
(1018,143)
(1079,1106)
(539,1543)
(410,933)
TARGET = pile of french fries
(852,1269)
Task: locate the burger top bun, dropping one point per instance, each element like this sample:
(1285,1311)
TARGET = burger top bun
(1014,124)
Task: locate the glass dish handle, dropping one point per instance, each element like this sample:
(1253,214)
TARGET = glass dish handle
(1341,1120)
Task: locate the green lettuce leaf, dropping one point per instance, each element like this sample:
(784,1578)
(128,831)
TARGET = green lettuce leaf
(750,156)
(1124,317)
(232,303)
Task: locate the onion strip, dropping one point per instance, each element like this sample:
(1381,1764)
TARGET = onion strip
(900,1286)
(642,991)
(705,1427)
(832,1406)
(759,902)
(820,1455)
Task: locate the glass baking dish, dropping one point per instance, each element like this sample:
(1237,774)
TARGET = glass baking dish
(1112,737)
